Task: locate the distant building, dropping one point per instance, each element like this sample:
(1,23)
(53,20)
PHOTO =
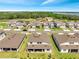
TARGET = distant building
(60,24)
(77,25)
(67,42)
(51,24)
(35,24)
(20,24)
(49,18)
(17,24)
(46,24)
(39,42)
(12,23)
(70,24)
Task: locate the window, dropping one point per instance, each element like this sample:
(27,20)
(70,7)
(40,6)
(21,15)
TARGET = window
(71,42)
(30,42)
(64,49)
(48,49)
(39,42)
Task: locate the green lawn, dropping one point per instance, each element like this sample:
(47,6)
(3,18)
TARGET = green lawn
(20,54)
(57,55)
(3,25)
(56,29)
(23,53)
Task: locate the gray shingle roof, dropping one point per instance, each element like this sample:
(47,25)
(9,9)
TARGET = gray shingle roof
(39,47)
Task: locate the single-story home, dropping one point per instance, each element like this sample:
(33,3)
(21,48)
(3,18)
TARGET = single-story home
(39,42)
(12,23)
(49,18)
(60,24)
(35,24)
(46,24)
(77,25)
(11,41)
(51,24)
(17,24)
(67,42)
(70,24)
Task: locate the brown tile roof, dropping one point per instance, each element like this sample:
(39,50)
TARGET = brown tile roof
(12,21)
(60,23)
(69,46)
(42,37)
(39,47)
(36,23)
(67,38)
(12,40)
(63,38)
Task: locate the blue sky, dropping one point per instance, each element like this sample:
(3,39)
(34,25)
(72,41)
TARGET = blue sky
(39,5)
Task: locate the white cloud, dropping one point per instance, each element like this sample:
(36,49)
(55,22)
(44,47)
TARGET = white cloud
(47,1)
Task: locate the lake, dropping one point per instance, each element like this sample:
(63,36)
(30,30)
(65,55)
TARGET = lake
(68,13)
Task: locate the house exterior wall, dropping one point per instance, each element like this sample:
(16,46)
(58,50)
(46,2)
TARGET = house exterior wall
(37,43)
(77,25)
(64,50)
(12,25)
(45,51)
(67,43)
(62,26)
(2,49)
(48,51)
(31,29)
(52,26)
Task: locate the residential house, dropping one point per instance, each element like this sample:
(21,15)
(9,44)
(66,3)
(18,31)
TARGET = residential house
(35,24)
(17,24)
(20,24)
(49,18)
(46,24)
(39,42)
(77,25)
(51,24)
(12,23)
(11,41)
(70,25)
(67,42)
(60,24)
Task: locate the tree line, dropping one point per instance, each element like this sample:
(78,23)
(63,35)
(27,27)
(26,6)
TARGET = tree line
(26,15)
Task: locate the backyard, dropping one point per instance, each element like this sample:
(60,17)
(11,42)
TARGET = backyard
(23,53)
(58,55)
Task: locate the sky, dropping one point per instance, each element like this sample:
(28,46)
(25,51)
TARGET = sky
(39,5)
